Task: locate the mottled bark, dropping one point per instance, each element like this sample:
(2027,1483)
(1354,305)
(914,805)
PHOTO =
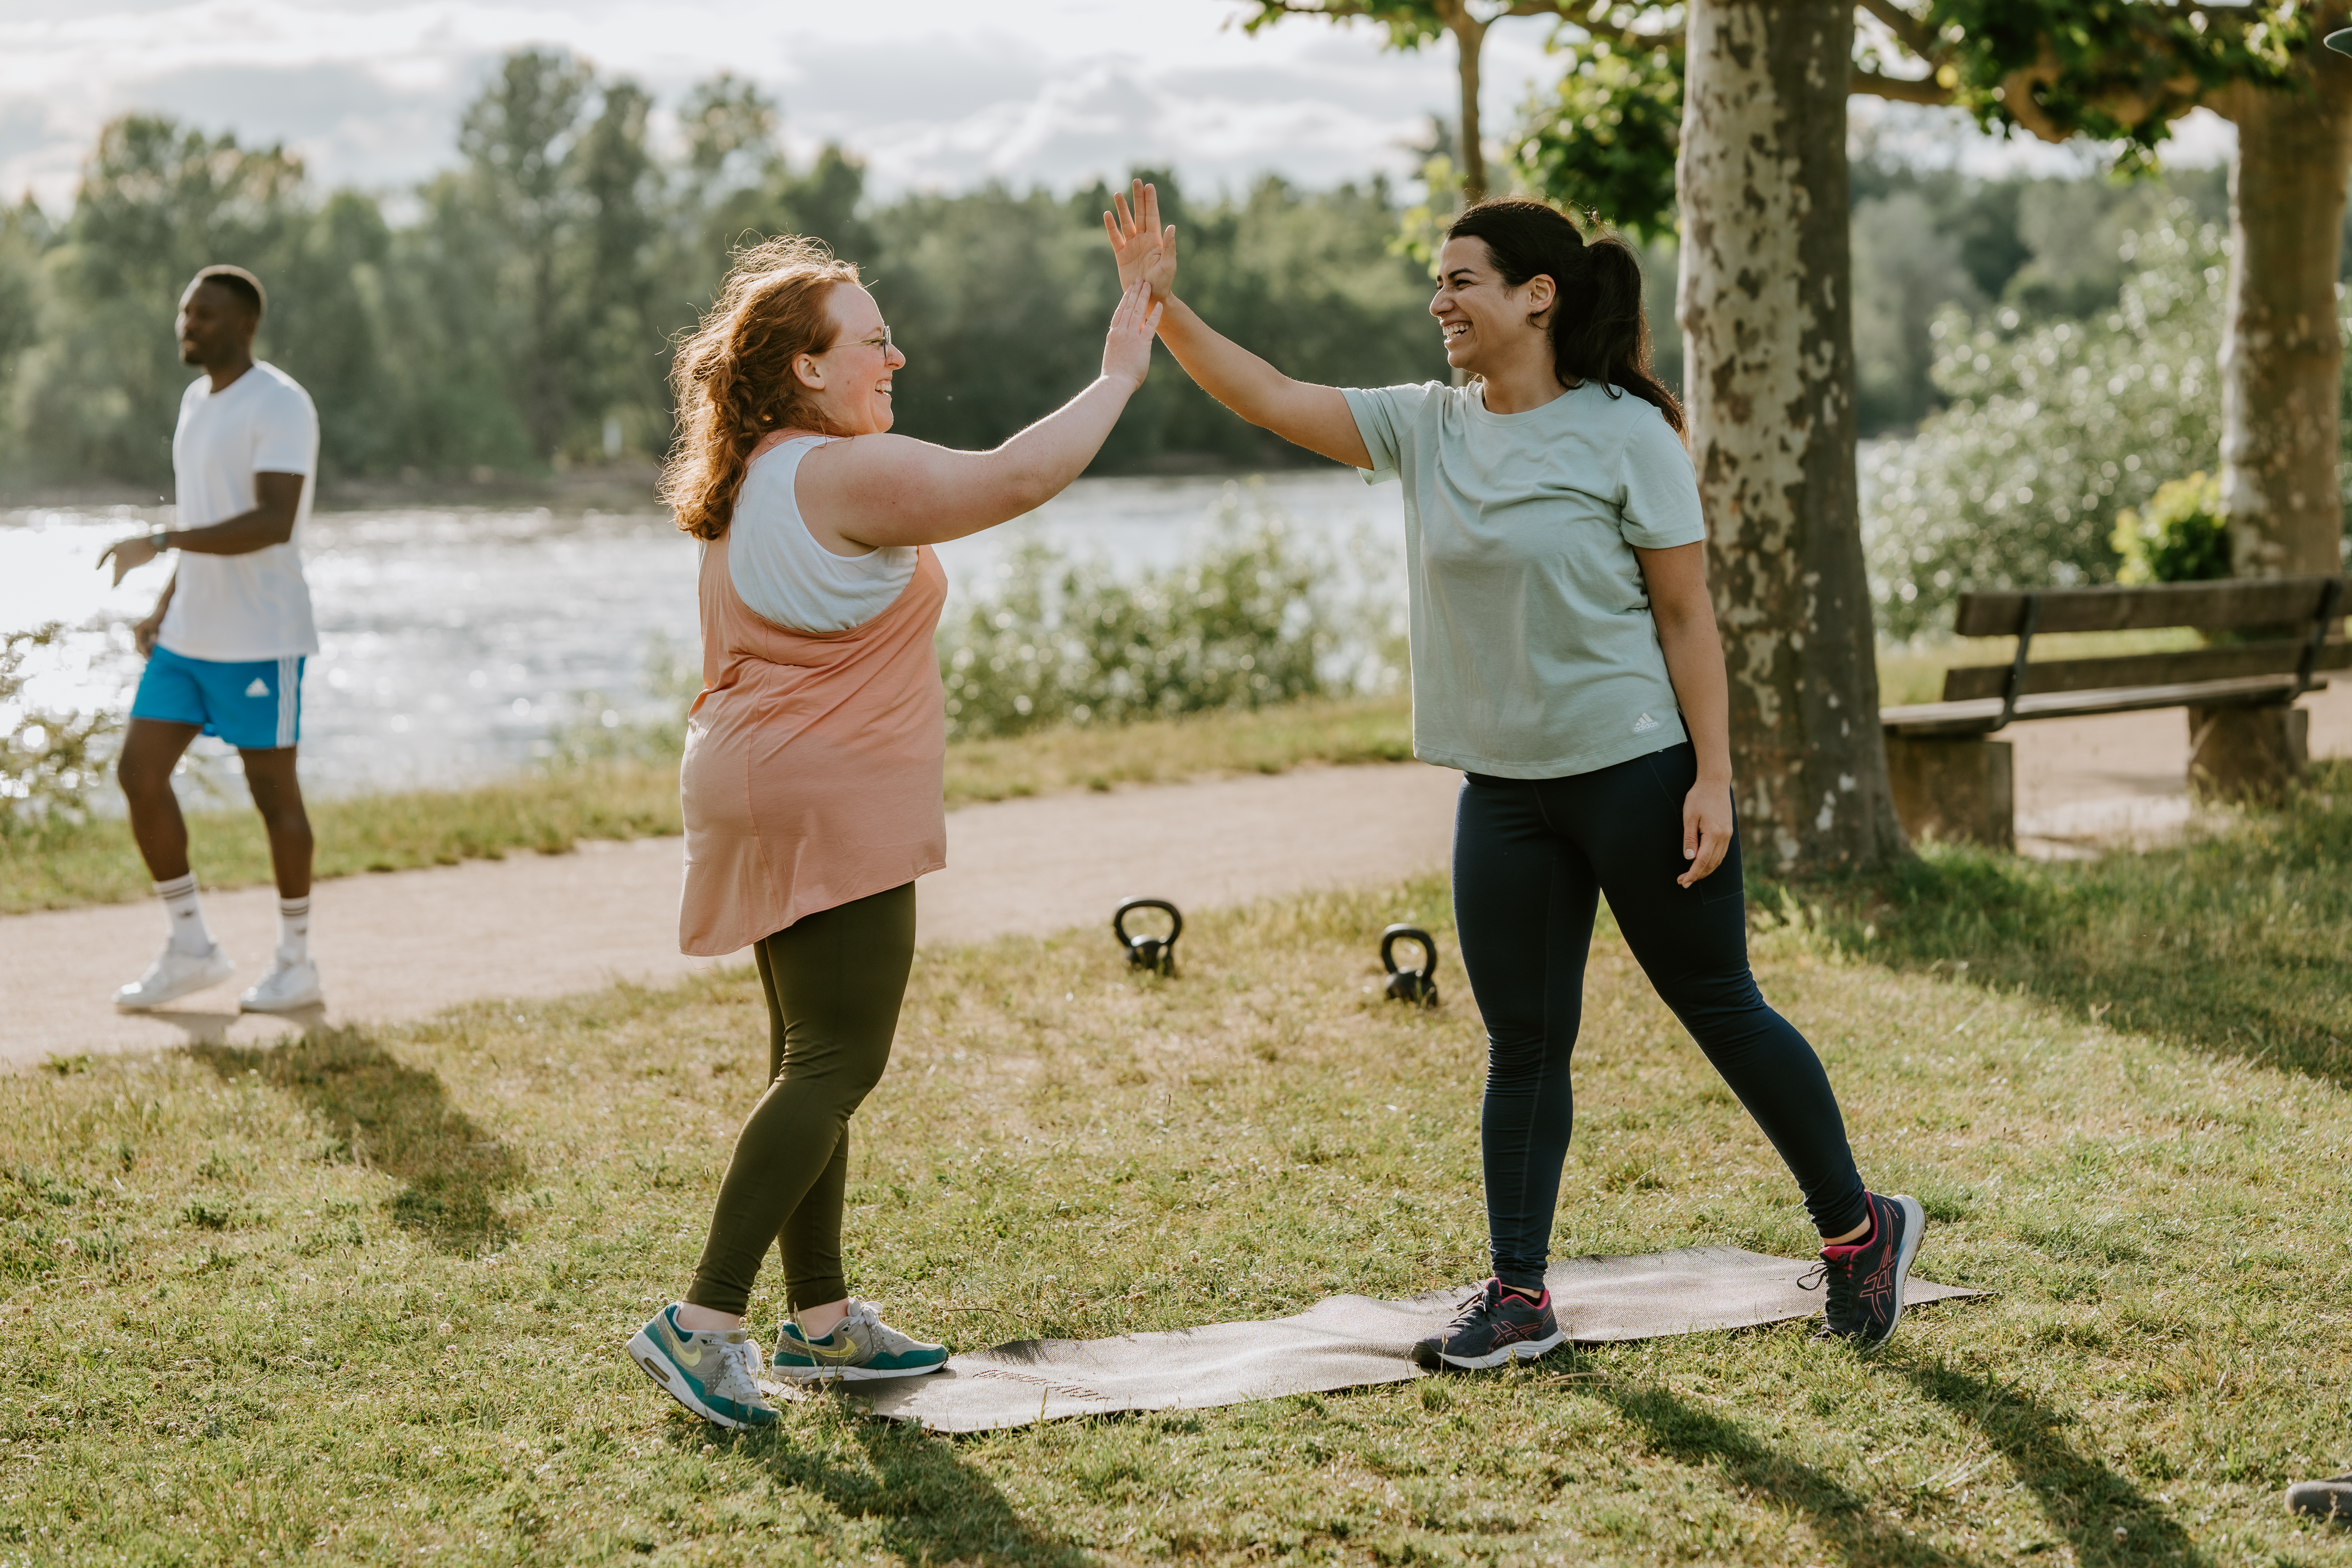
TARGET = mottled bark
(1469,41)
(2281,359)
(1767,320)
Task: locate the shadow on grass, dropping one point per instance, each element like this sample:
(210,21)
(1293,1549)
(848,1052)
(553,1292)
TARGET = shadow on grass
(2235,941)
(930,1503)
(2083,1500)
(1845,1520)
(398,1119)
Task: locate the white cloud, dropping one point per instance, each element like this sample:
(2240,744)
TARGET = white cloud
(1040,91)
(932,93)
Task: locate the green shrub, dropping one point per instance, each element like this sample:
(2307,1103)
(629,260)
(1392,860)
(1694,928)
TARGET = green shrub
(2054,429)
(2181,538)
(1251,622)
(49,762)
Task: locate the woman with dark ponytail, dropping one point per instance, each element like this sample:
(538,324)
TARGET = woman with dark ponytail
(1565,656)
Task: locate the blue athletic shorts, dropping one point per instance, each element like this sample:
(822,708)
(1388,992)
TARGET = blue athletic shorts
(256,705)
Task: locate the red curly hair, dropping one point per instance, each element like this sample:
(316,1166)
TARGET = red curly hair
(733,376)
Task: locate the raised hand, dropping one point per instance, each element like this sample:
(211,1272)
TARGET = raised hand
(1126,352)
(1145,251)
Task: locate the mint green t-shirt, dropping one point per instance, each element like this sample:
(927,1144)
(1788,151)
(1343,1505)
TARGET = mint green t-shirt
(1534,654)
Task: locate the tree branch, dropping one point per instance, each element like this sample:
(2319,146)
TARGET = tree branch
(1630,38)
(1598,22)
(1908,31)
(1272,11)
(1901,90)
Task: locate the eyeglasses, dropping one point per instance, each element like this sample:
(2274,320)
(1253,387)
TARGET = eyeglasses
(880,340)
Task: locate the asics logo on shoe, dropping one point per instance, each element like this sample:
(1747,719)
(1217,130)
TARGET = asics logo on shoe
(1880,1285)
(259,688)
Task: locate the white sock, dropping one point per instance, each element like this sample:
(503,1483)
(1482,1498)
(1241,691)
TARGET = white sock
(188,934)
(294,929)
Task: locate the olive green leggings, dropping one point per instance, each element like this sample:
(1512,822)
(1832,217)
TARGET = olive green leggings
(834,980)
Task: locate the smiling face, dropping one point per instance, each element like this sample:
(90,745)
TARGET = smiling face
(849,384)
(1488,323)
(215,327)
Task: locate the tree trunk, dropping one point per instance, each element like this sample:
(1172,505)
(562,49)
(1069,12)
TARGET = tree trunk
(1469,40)
(1768,338)
(2282,358)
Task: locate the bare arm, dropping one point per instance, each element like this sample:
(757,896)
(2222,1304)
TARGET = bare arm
(1300,412)
(277,497)
(1687,631)
(869,492)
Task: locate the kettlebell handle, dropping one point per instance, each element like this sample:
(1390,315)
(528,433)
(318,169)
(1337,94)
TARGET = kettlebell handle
(1397,933)
(1119,921)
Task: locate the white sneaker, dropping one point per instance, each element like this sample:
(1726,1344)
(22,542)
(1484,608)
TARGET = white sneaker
(172,976)
(288,987)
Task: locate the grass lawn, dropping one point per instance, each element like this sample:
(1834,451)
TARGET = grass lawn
(360,1299)
(550,810)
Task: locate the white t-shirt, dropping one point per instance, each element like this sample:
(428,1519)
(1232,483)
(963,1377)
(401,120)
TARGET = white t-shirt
(783,574)
(236,608)
(1534,655)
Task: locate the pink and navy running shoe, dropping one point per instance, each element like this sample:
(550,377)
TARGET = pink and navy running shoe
(1866,1279)
(1495,1326)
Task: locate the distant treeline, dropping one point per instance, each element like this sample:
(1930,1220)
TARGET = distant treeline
(515,314)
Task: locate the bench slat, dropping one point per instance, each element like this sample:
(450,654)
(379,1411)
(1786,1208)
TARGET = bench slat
(1980,715)
(2229,603)
(2183,667)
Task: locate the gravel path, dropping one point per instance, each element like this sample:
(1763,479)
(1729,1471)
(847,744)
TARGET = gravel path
(408,944)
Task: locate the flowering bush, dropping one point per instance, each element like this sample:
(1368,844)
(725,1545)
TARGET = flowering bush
(1253,622)
(2053,429)
(50,762)
(2182,537)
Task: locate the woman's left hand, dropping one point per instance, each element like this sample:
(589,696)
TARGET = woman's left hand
(1707,829)
(1126,351)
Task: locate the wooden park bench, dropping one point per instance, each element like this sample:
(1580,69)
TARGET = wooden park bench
(2247,739)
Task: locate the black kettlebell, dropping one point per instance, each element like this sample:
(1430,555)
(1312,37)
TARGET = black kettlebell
(1410,985)
(1156,953)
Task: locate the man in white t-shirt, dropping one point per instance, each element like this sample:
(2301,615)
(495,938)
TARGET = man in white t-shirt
(227,641)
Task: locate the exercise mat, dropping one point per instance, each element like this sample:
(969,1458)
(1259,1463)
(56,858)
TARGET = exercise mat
(1346,1341)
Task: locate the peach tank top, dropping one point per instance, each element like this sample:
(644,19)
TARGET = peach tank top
(814,761)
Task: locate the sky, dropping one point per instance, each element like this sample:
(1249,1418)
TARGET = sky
(934,94)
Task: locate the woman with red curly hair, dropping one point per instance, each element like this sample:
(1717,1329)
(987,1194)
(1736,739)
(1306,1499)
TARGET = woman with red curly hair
(812,776)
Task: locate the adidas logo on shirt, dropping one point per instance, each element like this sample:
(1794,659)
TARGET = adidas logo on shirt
(260,687)
(1642,726)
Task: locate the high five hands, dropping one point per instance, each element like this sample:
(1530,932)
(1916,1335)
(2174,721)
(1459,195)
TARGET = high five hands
(1126,350)
(1146,251)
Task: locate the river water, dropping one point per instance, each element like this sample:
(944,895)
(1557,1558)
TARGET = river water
(455,642)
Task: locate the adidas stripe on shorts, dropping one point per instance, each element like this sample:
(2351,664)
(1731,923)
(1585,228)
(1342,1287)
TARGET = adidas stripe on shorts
(256,705)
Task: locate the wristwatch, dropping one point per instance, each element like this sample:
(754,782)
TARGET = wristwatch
(155,540)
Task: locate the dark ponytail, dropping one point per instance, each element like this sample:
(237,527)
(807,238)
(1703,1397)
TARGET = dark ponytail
(1598,330)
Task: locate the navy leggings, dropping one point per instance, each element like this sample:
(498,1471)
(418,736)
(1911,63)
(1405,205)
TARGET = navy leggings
(1530,856)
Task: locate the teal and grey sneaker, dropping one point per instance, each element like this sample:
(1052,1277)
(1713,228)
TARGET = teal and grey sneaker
(864,1346)
(716,1374)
